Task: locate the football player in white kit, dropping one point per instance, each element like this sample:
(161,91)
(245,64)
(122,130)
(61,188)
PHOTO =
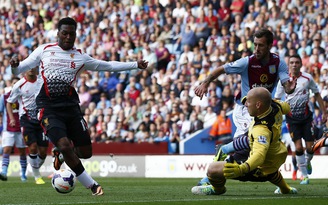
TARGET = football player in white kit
(60,114)
(24,92)
(300,119)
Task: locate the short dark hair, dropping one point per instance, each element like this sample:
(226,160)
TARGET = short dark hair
(66,21)
(264,33)
(296,56)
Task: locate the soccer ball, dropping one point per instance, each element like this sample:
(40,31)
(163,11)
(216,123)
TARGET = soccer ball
(63,181)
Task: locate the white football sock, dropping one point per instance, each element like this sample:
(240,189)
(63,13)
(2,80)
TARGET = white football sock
(85,179)
(301,162)
(308,157)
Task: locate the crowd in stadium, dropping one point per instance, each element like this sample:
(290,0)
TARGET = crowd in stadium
(182,40)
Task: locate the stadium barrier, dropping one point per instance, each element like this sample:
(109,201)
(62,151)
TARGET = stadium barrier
(158,166)
(124,148)
(199,143)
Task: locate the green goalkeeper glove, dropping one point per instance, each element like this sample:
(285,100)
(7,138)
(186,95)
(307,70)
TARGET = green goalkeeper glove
(234,170)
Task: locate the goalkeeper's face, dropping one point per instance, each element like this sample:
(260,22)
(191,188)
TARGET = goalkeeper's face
(251,104)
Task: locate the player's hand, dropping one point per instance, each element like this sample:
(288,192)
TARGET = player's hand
(290,86)
(14,62)
(201,89)
(234,170)
(142,64)
(12,123)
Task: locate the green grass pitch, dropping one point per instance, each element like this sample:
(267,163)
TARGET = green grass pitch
(159,191)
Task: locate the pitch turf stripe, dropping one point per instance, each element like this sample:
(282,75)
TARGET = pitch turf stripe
(209,198)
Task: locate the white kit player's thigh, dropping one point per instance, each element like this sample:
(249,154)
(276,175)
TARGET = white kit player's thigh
(241,119)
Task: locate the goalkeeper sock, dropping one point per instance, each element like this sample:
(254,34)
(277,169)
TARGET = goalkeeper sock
(278,180)
(218,184)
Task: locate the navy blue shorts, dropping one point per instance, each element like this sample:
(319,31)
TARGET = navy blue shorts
(65,122)
(33,132)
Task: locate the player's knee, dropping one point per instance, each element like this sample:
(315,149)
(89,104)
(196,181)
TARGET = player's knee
(309,150)
(299,152)
(214,170)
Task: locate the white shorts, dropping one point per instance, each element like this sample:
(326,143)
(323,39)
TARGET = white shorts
(9,139)
(241,119)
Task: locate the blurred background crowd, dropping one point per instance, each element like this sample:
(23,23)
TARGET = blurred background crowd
(183,41)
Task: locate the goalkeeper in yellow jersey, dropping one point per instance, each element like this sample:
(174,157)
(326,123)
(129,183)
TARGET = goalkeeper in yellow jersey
(267,152)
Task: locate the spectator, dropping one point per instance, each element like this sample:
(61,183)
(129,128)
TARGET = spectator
(237,8)
(224,14)
(108,83)
(150,56)
(84,96)
(134,93)
(104,102)
(186,56)
(221,130)
(119,134)
(195,123)
(163,56)
(202,28)
(188,37)
(209,117)
(184,126)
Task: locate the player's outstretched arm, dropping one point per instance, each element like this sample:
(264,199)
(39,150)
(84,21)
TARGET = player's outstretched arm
(201,89)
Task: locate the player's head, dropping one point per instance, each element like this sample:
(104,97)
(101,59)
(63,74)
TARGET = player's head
(263,40)
(258,101)
(66,33)
(295,64)
(32,72)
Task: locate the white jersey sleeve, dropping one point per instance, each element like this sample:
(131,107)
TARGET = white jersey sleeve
(113,66)
(280,91)
(15,92)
